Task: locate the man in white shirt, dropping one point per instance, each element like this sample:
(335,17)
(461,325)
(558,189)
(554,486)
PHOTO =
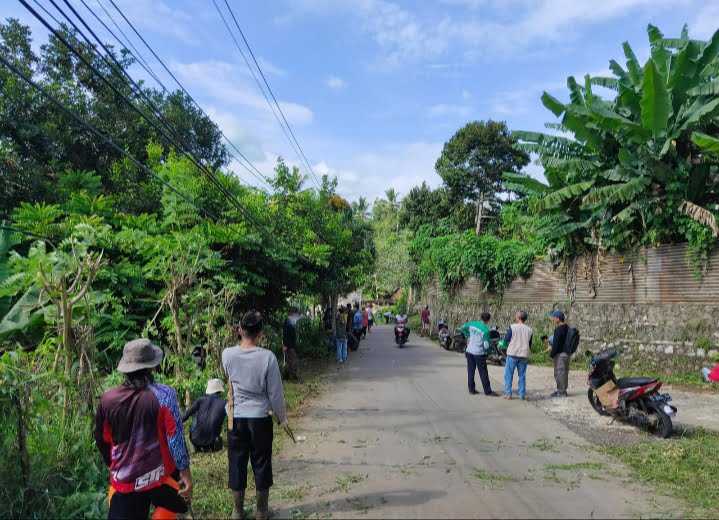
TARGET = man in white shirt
(519,341)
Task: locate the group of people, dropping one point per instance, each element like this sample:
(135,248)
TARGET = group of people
(139,432)
(518,342)
(351,325)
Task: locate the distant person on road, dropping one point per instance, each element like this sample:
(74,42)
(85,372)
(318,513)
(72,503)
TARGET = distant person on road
(341,341)
(519,342)
(365,322)
(558,353)
(424,315)
(370,317)
(289,344)
(477,334)
(350,318)
(357,322)
(138,431)
(255,390)
(208,413)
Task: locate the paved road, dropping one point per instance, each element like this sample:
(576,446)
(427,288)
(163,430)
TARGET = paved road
(396,435)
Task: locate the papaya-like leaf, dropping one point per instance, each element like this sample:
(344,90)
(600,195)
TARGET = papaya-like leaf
(656,101)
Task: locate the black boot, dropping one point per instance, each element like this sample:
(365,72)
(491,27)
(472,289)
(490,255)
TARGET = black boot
(238,512)
(262,510)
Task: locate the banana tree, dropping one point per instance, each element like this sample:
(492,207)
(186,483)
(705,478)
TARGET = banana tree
(632,166)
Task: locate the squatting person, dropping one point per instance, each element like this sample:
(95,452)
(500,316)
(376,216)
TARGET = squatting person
(255,390)
(208,414)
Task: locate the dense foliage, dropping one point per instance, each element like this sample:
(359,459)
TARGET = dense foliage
(96,249)
(637,169)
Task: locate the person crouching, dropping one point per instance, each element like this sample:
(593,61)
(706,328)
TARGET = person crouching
(208,414)
(255,391)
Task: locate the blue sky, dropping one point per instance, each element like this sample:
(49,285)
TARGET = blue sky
(373,88)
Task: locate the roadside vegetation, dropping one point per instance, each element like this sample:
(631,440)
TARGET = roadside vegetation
(99,246)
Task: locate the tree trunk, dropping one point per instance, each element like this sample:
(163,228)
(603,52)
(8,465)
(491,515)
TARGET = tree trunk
(480,213)
(178,335)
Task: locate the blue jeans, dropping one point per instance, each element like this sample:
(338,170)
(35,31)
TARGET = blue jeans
(341,350)
(521,365)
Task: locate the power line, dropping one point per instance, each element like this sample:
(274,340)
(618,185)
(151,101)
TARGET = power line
(292,138)
(70,47)
(182,87)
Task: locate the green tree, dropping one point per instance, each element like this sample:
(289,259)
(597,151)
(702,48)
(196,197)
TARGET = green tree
(473,161)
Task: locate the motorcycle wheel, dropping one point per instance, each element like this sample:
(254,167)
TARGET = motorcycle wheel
(663,427)
(596,403)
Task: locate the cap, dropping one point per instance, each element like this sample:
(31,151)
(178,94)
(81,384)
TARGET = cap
(557,314)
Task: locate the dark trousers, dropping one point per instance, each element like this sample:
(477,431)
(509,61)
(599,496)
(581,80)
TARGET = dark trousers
(215,446)
(293,365)
(561,371)
(136,505)
(250,440)
(478,363)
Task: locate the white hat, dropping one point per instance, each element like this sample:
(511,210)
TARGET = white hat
(214,386)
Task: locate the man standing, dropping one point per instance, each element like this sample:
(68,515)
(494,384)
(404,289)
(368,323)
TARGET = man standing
(289,344)
(208,414)
(425,320)
(341,338)
(138,431)
(370,317)
(477,333)
(559,353)
(519,341)
(255,391)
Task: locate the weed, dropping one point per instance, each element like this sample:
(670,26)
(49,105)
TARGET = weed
(544,444)
(684,466)
(346,480)
(492,479)
(594,466)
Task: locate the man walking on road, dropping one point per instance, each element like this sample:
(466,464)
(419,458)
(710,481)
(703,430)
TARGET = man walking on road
(477,333)
(425,321)
(289,344)
(558,353)
(519,341)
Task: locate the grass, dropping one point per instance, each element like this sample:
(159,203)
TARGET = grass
(685,467)
(490,478)
(579,466)
(211,496)
(544,444)
(347,480)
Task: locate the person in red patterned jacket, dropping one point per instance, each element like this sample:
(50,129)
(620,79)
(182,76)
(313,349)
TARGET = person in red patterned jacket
(138,430)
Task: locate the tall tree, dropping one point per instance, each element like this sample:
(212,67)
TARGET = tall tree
(473,161)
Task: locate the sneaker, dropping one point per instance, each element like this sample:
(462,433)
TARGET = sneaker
(554,394)
(507,397)
(492,394)
(473,392)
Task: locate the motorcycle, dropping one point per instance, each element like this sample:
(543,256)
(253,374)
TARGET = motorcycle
(497,352)
(401,333)
(445,338)
(632,399)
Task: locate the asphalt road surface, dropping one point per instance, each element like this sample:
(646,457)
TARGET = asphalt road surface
(397,435)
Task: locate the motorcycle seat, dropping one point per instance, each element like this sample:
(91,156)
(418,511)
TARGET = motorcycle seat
(628,382)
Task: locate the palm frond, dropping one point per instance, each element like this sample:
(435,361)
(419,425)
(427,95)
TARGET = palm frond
(606,82)
(524,183)
(615,193)
(556,198)
(701,215)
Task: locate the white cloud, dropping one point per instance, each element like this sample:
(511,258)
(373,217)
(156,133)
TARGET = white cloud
(335,83)
(449,110)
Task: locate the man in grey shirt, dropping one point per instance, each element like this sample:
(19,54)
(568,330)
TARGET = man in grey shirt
(256,390)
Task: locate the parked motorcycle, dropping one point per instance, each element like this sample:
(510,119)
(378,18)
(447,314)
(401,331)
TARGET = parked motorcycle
(497,352)
(633,399)
(445,337)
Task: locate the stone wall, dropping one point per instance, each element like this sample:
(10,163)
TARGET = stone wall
(651,305)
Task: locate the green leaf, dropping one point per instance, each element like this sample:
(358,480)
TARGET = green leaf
(617,70)
(656,102)
(635,71)
(609,83)
(575,93)
(556,198)
(553,104)
(707,89)
(615,193)
(528,185)
(706,142)
(709,53)
(696,111)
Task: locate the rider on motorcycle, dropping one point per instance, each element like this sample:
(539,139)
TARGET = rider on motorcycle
(401,319)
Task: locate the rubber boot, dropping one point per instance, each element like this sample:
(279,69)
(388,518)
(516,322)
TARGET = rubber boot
(238,512)
(262,511)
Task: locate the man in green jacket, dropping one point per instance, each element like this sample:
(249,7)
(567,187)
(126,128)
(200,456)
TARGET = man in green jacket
(477,334)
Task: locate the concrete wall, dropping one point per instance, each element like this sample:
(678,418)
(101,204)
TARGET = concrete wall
(651,304)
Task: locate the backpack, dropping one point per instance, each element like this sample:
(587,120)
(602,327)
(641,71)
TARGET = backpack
(572,342)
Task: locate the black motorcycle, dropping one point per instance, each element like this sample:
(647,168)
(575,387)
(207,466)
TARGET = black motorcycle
(401,334)
(444,336)
(496,353)
(633,399)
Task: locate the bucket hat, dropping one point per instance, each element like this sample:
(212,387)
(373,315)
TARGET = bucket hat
(139,354)
(214,386)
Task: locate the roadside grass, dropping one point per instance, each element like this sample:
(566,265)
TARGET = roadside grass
(490,478)
(347,480)
(578,466)
(685,467)
(211,496)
